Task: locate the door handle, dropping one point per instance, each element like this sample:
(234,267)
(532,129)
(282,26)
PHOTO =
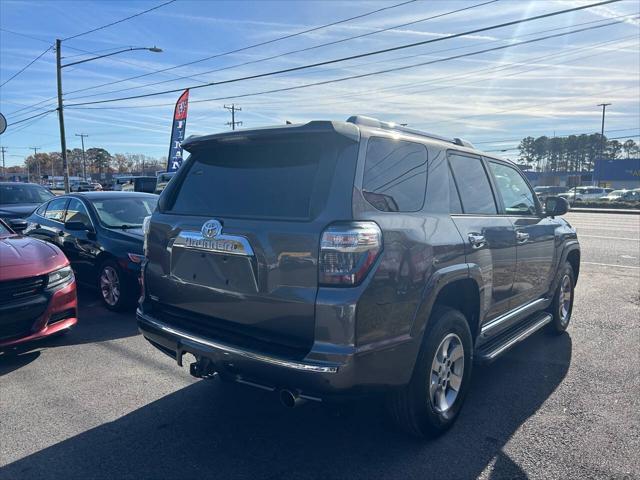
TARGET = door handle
(521,236)
(60,233)
(477,240)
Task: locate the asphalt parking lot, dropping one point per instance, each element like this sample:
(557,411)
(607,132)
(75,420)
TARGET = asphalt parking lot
(102,403)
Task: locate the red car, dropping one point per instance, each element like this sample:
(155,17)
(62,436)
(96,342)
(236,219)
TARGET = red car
(37,290)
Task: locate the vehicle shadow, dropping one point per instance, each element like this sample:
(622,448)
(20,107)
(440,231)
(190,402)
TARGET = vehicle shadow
(214,430)
(95,324)
(9,363)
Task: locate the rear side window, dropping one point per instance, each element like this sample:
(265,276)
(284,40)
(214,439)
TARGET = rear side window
(516,195)
(395,175)
(473,185)
(55,209)
(279,177)
(76,212)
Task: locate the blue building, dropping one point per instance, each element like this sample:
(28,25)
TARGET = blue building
(618,174)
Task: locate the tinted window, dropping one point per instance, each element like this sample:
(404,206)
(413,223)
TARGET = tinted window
(41,209)
(124,211)
(473,184)
(454,199)
(395,175)
(55,209)
(77,212)
(280,176)
(14,193)
(514,191)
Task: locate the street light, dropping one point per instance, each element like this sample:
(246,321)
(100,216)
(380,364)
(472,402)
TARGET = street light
(59,67)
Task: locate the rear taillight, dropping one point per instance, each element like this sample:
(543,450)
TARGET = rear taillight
(347,252)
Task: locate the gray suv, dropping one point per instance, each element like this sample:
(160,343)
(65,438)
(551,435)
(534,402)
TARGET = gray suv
(332,259)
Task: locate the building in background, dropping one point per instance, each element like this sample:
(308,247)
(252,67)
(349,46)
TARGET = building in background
(617,173)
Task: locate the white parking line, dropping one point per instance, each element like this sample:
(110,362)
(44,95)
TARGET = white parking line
(609,238)
(610,265)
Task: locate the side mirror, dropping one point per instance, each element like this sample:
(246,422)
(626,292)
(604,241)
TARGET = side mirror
(17,224)
(77,226)
(555,206)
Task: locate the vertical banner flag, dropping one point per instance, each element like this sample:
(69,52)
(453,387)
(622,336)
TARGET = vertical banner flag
(177,132)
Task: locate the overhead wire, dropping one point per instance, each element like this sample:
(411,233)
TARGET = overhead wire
(248,47)
(368,74)
(309,30)
(102,27)
(300,50)
(25,67)
(367,54)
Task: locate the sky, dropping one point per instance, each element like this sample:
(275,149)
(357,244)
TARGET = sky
(548,87)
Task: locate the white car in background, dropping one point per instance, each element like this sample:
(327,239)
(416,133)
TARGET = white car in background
(585,194)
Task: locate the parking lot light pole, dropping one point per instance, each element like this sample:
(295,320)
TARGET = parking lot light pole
(59,67)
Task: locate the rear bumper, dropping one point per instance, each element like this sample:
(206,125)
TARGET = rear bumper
(61,314)
(356,372)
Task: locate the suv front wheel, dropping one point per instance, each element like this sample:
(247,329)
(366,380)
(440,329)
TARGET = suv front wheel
(431,401)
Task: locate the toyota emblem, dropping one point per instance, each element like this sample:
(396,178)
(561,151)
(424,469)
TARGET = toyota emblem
(211,229)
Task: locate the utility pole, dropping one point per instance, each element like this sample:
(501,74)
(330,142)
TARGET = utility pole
(233,109)
(604,108)
(3,150)
(84,162)
(35,157)
(63,140)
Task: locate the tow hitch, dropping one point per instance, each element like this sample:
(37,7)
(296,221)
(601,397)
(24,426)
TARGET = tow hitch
(203,368)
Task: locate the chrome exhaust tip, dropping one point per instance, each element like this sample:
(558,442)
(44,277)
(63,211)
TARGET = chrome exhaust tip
(290,399)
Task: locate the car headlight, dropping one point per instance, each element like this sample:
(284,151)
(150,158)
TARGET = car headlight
(59,277)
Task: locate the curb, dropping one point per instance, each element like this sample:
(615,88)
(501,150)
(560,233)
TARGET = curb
(626,211)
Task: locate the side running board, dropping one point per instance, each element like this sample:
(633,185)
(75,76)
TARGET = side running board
(499,345)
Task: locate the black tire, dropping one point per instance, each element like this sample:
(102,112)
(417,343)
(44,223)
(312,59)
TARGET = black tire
(560,310)
(125,297)
(413,408)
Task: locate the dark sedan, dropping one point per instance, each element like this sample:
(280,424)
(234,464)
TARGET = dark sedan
(101,234)
(19,200)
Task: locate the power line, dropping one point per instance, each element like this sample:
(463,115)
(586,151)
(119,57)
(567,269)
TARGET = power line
(474,72)
(388,70)
(242,49)
(280,55)
(118,21)
(24,35)
(456,76)
(206,58)
(25,67)
(33,116)
(376,52)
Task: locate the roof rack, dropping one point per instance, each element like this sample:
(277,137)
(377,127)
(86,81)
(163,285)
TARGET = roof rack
(372,122)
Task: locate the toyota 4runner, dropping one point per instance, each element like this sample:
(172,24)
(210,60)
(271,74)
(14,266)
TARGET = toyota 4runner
(341,258)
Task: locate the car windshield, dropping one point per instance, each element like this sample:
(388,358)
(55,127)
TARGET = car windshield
(4,231)
(23,193)
(124,212)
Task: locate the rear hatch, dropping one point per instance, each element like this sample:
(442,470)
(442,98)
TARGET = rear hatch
(233,248)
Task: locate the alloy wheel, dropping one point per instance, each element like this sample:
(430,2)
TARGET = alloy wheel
(564,302)
(110,285)
(447,369)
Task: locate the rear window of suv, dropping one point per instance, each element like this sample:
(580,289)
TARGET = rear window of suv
(258,178)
